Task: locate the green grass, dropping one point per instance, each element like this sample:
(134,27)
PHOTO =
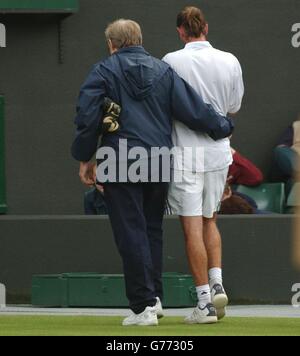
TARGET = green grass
(111,326)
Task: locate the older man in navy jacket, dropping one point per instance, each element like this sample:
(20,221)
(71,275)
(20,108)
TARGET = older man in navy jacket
(151,95)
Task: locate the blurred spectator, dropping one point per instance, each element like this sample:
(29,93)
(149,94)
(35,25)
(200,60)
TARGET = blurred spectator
(285,157)
(236,206)
(238,203)
(232,203)
(243,171)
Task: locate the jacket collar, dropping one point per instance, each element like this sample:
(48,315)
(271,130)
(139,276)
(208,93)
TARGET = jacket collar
(132,49)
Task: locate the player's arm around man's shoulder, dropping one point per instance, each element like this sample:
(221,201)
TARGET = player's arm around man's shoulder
(190,109)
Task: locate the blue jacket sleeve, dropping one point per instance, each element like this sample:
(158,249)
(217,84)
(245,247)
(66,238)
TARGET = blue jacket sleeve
(89,116)
(189,108)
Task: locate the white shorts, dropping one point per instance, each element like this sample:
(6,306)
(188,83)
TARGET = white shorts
(198,194)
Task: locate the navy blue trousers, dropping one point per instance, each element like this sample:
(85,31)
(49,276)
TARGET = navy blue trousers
(136,213)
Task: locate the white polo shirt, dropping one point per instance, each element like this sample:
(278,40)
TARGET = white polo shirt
(217,77)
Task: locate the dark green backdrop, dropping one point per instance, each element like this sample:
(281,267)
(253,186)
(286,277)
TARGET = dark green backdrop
(41,93)
(2,159)
(257,253)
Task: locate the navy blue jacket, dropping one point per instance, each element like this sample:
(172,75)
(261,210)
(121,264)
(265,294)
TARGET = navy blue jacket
(151,95)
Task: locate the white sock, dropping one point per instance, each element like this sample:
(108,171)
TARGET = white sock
(204,296)
(215,276)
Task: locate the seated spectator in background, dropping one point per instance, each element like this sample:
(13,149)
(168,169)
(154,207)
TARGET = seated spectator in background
(235,203)
(244,172)
(286,155)
(94,203)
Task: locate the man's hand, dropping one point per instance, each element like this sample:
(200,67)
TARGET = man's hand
(100,188)
(87,173)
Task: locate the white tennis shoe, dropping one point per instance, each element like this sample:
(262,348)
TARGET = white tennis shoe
(220,300)
(147,318)
(207,315)
(159,309)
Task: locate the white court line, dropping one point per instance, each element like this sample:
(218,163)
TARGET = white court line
(285,311)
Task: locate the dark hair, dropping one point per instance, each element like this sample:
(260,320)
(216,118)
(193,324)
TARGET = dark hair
(236,205)
(193,21)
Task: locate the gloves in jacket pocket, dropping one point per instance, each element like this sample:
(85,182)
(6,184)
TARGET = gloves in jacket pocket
(112,112)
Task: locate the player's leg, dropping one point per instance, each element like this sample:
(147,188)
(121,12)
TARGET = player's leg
(213,242)
(126,211)
(155,196)
(185,199)
(205,313)
(213,191)
(195,248)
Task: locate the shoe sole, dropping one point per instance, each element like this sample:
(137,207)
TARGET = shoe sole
(150,322)
(220,302)
(207,320)
(221,313)
(140,324)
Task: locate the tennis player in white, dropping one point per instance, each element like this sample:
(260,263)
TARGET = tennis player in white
(217,77)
